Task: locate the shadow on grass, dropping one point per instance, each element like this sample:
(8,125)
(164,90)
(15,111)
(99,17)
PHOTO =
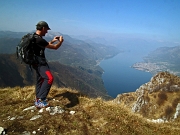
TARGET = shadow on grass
(72,97)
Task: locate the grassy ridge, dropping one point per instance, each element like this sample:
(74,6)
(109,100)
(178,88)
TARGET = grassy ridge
(92,116)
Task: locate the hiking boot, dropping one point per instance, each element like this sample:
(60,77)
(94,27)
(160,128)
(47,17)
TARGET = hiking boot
(41,103)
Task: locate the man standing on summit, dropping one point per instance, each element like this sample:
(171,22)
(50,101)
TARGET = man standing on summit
(44,77)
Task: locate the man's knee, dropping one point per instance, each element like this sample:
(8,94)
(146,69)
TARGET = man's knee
(50,77)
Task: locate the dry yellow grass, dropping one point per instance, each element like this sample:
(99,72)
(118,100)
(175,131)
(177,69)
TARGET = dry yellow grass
(92,116)
(156,99)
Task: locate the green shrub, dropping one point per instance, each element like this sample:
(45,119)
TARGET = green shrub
(168,111)
(162,97)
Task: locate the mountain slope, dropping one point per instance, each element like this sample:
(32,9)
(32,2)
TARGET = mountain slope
(71,113)
(78,69)
(13,73)
(73,52)
(162,59)
(157,99)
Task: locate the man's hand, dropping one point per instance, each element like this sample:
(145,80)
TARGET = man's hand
(61,39)
(57,38)
(57,45)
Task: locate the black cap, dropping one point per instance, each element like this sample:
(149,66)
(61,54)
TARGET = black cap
(43,24)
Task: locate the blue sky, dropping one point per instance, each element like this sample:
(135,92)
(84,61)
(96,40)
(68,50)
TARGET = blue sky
(157,19)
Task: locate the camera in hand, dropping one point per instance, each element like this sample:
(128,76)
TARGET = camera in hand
(57,38)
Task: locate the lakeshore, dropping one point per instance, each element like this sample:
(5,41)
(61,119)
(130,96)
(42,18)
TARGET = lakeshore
(119,76)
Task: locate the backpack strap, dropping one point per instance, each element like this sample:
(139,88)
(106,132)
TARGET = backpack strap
(30,67)
(37,36)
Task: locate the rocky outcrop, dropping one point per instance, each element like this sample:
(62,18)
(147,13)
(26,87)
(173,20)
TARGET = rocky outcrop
(2,131)
(52,110)
(159,98)
(176,115)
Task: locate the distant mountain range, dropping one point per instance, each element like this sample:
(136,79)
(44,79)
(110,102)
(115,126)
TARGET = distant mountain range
(73,52)
(78,69)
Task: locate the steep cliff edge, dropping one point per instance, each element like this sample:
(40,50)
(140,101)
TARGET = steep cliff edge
(157,99)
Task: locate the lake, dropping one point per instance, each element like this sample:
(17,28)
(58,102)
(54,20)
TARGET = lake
(118,75)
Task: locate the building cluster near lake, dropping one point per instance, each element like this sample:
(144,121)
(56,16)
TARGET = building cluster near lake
(149,67)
